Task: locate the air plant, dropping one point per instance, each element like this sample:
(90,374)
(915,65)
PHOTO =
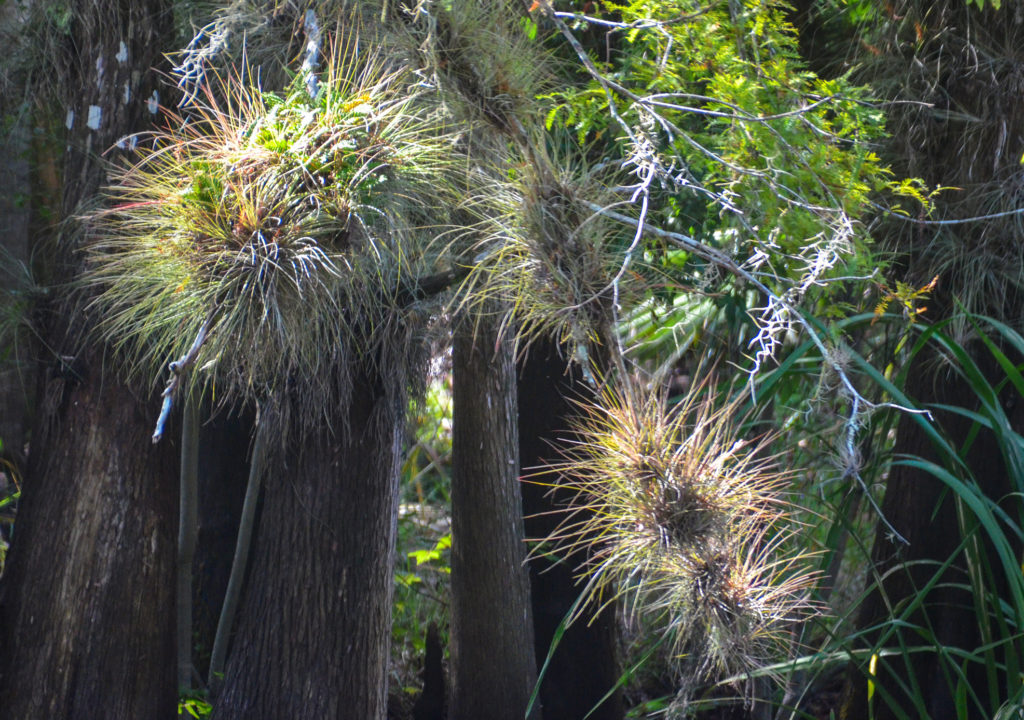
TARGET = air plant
(534,244)
(687,524)
(547,254)
(276,234)
(493,70)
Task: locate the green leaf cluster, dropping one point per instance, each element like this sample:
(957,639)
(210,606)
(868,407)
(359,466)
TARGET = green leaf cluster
(751,144)
(432,555)
(980,4)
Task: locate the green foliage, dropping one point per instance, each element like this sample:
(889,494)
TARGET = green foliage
(10,493)
(422,571)
(432,555)
(196,706)
(784,157)
(713,129)
(422,561)
(426,467)
(989,529)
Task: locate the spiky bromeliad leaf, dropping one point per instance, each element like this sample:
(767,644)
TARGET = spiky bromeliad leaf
(687,524)
(284,223)
(545,253)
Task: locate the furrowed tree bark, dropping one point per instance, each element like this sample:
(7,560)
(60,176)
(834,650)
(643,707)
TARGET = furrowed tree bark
(87,602)
(314,625)
(584,666)
(88,598)
(493,668)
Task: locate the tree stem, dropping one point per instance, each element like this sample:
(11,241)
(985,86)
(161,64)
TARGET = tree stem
(187,533)
(242,545)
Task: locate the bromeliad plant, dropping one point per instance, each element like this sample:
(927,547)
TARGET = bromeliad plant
(549,256)
(274,233)
(687,523)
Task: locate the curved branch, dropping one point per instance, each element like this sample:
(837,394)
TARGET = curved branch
(179,369)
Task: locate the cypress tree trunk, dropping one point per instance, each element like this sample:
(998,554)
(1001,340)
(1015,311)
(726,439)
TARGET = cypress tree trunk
(492,662)
(87,602)
(88,597)
(584,665)
(314,624)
